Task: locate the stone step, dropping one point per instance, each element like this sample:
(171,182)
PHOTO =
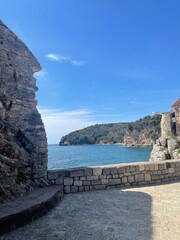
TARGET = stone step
(28,208)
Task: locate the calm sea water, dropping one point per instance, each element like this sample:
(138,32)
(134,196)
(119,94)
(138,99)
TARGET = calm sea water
(93,155)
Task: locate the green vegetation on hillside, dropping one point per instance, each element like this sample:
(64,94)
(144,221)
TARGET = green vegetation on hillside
(143,131)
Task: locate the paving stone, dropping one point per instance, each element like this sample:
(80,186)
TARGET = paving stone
(137,213)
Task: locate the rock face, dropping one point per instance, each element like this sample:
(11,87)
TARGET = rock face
(23,143)
(168,145)
(166,123)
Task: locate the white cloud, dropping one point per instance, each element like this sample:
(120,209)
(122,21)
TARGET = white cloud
(60,58)
(41,74)
(59,123)
(77,63)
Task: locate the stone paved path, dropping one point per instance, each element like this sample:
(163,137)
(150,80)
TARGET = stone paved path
(141,213)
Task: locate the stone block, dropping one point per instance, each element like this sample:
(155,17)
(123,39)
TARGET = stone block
(88,172)
(99,187)
(102,176)
(52,175)
(76,173)
(127,184)
(139,177)
(106,171)
(147,177)
(131,179)
(171,170)
(147,167)
(96,182)
(161,166)
(121,175)
(115,176)
(127,174)
(114,181)
(141,167)
(132,168)
(104,181)
(155,166)
(113,171)
(155,177)
(91,188)
(92,177)
(67,189)
(76,178)
(68,181)
(86,183)
(152,168)
(97,171)
(109,176)
(77,183)
(86,188)
(121,170)
(127,169)
(124,179)
(74,189)
(59,181)
(81,189)
(82,178)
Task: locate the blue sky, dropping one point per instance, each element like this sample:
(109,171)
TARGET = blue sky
(103,60)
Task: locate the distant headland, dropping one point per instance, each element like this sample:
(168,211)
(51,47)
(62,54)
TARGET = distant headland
(142,132)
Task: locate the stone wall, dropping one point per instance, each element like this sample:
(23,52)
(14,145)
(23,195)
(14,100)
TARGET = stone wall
(119,175)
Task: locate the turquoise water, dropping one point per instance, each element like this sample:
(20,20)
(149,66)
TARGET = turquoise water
(93,155)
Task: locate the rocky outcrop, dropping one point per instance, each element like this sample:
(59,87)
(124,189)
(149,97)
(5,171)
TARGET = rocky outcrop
(168,145)
(23,143)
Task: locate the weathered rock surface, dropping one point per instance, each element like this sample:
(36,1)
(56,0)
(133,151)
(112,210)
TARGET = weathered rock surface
(168,145)
(23,143)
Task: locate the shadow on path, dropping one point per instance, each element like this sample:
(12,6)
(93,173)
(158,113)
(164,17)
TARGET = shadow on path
(112,214)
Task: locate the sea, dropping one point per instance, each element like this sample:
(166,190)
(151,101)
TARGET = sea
(63,157)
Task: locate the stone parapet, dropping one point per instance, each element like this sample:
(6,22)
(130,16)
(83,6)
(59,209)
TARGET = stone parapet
(118,175)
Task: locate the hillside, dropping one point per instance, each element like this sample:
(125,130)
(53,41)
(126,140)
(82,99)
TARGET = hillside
(141,132)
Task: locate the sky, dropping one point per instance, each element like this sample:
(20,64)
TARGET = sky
(102,61)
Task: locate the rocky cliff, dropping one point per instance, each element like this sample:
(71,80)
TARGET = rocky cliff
(23,143)
(168,145)
(142,132)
